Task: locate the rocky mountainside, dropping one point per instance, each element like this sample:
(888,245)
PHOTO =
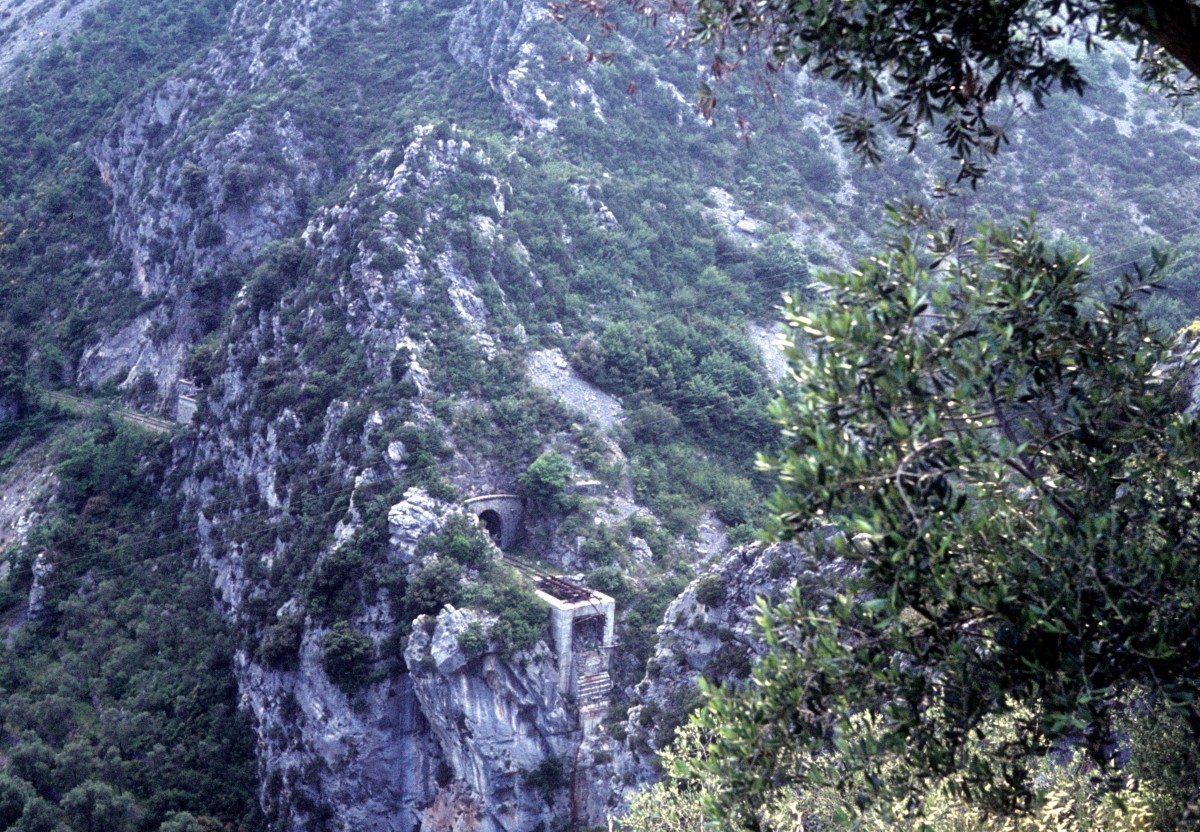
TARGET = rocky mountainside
(380,258)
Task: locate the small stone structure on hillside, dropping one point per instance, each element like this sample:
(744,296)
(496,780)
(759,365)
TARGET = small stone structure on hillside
(582,625)
(501,515)
(185,400)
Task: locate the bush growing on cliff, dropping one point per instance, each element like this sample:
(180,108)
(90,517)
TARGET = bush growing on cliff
(545,482)
(280,645)
(333,588)
(610,580)
(549,777)
(437,583)
(347,656)
(710,591)
(523,618)
(473,640)
(461,540)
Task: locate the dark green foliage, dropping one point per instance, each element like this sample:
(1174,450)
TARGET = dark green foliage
(681,705)
(460,540)
(731,662)
(548,778)
(39,815)
(741,535)
(182,822)
(97,807)
(334,585)
(545,482)
(604,545)
(523,617)
(473,640)
(120,705)
(1010,457)
(610,580)
(13,796)
(103,466)
(710,591)
(438,583)
(347,656)
(280,645)
(699,374)
(739,503)
(279,270)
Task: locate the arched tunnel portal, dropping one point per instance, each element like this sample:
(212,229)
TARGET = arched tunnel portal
(490,520)
(501,515)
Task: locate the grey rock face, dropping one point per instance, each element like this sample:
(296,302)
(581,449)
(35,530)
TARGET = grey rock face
(492,36)
(496,718)
(185,210)
(711,630)
(42,570)
(374,761)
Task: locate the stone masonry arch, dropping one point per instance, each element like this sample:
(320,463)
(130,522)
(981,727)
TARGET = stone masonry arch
(501,515)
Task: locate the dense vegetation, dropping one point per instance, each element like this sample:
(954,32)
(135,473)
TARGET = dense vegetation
(117,699)
(54,212)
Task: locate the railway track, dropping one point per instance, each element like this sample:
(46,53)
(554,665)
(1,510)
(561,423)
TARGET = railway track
(150,423)
(553,584)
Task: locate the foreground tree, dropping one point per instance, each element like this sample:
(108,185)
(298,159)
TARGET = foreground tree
(1010,465)
(967,68)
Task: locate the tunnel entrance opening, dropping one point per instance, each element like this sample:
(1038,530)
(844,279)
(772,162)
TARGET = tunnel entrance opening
(491,521)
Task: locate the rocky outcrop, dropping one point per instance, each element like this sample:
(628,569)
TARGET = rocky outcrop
(550,369)
(367,764)
(190,205)
(711,630)
(508,737)
(493,36)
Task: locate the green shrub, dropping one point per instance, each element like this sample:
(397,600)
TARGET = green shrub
(460,540)
(473,640)
(777,568)
(347,657)
(738,503)
(280,645)
(710,591)
(604,545)
(97,807)
(333,588)
(13,796)
(437,583)
(523,618)
(545,482)
(610,580)
(549,777)
(741,535)
(732,661)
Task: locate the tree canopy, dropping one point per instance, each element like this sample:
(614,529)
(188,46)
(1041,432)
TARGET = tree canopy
(967,68)
(1006,454)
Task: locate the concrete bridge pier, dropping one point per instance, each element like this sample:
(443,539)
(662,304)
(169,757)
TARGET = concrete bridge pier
(583,635)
